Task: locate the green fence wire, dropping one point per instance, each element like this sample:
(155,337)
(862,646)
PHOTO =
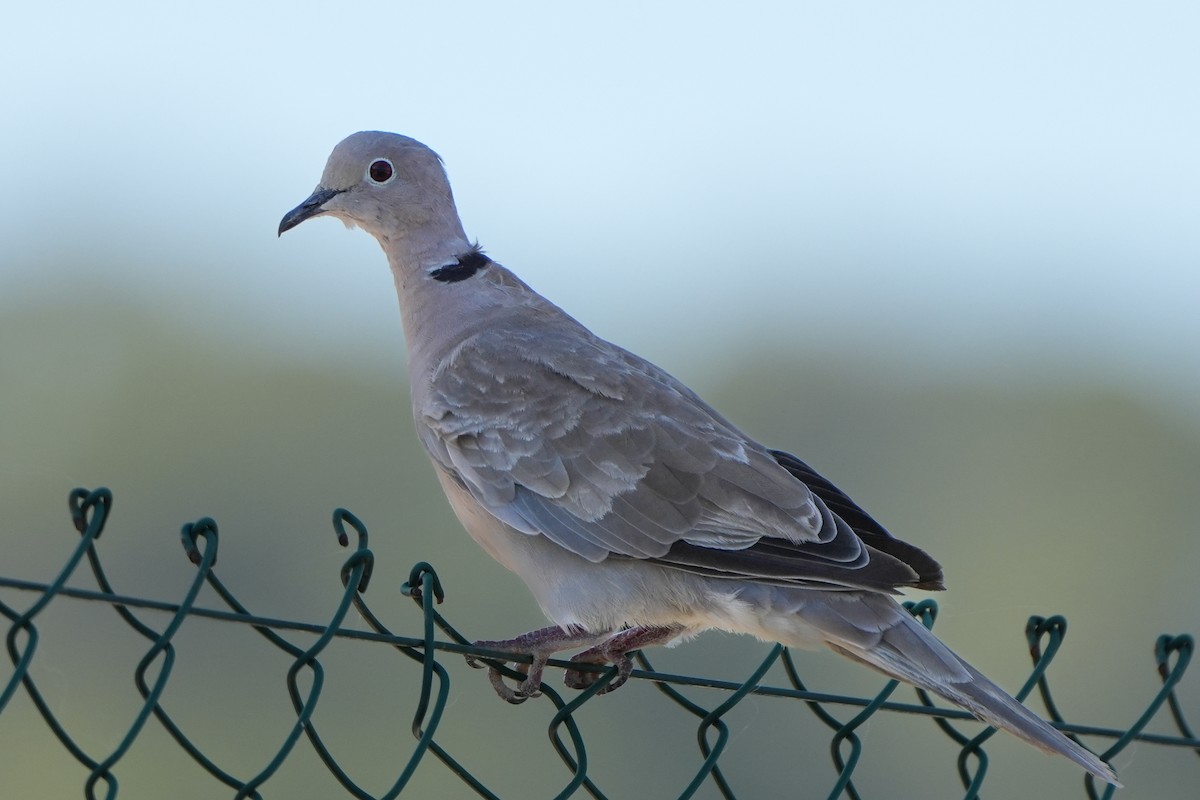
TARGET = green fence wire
(439,640)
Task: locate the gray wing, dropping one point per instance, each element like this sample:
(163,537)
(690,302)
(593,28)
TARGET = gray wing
(563,435)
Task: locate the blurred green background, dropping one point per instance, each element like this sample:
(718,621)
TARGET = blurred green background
(946,255)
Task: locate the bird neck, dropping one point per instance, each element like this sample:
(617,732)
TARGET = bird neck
(422,247)
(445,301)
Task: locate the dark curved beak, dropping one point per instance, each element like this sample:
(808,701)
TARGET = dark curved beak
(311,207)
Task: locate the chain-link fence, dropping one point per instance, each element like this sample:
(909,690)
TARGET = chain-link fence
(438,641)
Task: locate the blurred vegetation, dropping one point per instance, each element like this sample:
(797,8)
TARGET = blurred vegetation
(1063,494)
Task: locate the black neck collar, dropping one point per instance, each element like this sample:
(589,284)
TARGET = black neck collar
(464,267)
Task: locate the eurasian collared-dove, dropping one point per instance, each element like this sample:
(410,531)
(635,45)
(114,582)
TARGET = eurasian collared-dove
(634,512)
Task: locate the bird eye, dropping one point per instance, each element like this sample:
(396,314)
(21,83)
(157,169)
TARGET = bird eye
(380,171)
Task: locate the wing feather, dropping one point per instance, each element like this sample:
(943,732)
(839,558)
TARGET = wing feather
(562,435)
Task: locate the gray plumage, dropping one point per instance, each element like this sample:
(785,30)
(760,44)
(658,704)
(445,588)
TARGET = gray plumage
(634,512)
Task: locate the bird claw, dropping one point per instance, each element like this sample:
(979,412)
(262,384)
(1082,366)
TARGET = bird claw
(520,694)
(530,687)
(541,644)
(615,650)
(583,679)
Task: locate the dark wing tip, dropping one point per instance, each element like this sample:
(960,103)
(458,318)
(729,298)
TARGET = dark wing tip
(928,570)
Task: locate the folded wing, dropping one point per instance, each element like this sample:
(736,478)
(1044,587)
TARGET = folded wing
(566,436)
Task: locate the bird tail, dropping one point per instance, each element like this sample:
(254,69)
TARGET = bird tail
(878,632)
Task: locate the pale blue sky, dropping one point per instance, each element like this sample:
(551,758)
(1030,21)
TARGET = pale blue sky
(925,180)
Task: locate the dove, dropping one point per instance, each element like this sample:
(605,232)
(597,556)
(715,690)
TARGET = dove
(634,512)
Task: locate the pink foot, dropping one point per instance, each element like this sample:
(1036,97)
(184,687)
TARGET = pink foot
(615,650)
(540,645)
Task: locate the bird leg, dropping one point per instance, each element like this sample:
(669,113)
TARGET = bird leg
(615,650)
(540,644)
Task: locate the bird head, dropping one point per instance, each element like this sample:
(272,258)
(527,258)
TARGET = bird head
(391,186)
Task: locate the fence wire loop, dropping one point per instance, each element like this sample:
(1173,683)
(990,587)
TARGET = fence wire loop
(422,579)
(437,643)
(1181,647)
(362,556)
(98,502)
(205,528)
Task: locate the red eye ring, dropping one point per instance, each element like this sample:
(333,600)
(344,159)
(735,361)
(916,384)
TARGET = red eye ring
(381,170)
